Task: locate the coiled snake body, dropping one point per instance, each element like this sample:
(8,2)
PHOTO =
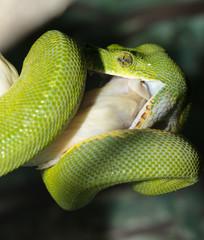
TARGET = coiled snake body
(46,97)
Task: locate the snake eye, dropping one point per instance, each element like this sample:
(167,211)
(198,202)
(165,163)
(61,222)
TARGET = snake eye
(125,59)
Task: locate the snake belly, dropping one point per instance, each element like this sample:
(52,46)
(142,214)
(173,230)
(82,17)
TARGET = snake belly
(44,100)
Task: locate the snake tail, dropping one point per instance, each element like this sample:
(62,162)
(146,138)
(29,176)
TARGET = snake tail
(145,158)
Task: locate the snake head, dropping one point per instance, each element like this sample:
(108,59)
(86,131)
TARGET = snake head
(168,106)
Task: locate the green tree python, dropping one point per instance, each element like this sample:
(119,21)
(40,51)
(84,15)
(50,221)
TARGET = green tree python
(44,101)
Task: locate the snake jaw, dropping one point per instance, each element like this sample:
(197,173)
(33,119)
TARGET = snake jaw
(142,118)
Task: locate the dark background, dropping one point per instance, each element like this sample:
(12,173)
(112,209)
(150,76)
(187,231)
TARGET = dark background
(26,209)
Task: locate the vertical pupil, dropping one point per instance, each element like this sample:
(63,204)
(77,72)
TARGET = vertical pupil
(125,59)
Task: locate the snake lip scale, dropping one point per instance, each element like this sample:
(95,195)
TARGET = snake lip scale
(153,87)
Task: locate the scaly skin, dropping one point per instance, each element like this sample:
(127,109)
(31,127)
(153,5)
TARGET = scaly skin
(47,95)
(42,101)
(159,161)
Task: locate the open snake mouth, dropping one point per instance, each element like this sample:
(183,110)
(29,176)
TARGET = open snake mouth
(145,91)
